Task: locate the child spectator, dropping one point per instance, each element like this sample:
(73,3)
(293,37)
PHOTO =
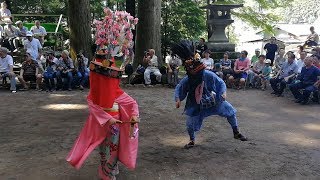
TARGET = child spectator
(265,75)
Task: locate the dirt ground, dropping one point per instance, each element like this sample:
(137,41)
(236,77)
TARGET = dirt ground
(38,129)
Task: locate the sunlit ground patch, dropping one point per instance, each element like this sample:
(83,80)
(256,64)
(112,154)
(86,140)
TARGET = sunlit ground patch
(299,139)
(61,95)
(64,107)
(314,127)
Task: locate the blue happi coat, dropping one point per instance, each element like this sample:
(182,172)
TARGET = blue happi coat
(213,83)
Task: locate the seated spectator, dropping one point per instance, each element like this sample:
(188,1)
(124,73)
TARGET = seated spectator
(152,61)
(241,68)
(255,57)
(39,31)
(201,47)
(5,13)
(280,60)
(65,68)
(6,68)
(316,61)
(10,34)
(284,76)
(312,39)
(218,70)
(300,62)
(306,81)
(21,35)
(173,64)
(33,46)
(82,70)
(50,71)
(255,72)
(265,75)
(208,61)
(226,65)
(29,72)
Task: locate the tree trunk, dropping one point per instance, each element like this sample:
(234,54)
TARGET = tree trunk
(131,8)
(148,29)
(80,29)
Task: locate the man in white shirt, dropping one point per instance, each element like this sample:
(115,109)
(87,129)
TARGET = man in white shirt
(6,68)
(300,62)
(33,46)
(173,64)
(152,60)
(39,31)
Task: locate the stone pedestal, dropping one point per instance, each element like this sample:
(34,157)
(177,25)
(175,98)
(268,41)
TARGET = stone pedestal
(221,46)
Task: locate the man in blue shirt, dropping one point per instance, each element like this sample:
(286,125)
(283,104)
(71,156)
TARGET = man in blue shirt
(306,81)
(271,49)
(288,70)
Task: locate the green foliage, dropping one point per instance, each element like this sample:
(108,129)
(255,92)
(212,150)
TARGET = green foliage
(181,19)
(260,13)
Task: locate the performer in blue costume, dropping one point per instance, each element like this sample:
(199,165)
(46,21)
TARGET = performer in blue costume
(205,93)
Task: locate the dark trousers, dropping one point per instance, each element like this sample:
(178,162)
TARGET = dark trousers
(278,85)
(49,80)
(64,78)
(307,90)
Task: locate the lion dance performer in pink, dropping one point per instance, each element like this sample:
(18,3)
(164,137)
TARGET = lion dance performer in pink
(111,125)
(112,122)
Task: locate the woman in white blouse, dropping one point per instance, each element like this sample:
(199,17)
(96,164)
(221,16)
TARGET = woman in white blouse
(208,61)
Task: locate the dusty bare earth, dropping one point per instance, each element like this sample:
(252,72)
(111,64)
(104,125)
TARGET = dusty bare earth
(38,129)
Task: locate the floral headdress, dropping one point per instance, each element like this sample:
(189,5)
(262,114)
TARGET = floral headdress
(114,32)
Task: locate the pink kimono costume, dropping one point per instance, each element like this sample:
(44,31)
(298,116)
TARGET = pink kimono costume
(116,142)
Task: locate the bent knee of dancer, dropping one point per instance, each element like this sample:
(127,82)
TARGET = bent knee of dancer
(225,109)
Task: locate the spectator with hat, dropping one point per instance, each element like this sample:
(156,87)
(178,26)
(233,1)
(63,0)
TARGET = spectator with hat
(29,72)
(6,68)
(33,46)
(207,60)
